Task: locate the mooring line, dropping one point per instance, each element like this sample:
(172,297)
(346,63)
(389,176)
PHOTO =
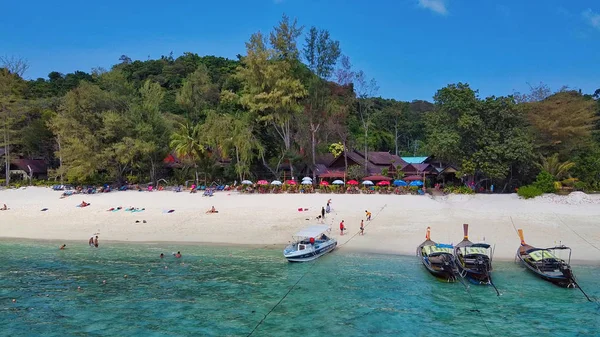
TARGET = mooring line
(304,274)
(572,230)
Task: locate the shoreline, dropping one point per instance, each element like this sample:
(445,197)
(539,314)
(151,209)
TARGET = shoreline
(269,220)
(270,247)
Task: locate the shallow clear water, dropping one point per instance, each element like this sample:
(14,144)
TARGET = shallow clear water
(227,291)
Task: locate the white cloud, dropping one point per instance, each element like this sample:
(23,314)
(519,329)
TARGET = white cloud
(593,19)
(438,6)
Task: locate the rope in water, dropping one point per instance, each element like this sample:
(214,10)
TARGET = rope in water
(467,289)
(304,274)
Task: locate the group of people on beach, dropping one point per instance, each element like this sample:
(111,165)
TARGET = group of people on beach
(362,224)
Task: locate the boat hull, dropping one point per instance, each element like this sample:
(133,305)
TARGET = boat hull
(446,274)
(561,281)
(310,254)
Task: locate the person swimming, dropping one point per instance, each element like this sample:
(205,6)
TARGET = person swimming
(162,255)
(178,255)
(63,247)
(91,241)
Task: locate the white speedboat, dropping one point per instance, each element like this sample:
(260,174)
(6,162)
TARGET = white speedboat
(309,244)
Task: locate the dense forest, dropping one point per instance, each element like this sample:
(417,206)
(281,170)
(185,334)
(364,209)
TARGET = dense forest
(279,107)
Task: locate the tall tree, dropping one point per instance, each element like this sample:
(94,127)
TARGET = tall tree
(321,54)
(11,93)
(365,90)
(487,138)
(198,94)
(562,123)
(270,89)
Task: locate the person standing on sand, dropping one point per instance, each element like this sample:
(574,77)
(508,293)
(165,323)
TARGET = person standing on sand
(362,228)
(323,212)
(368,214)
(342,227)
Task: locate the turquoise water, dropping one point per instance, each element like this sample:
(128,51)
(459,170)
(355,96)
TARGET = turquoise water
(226,291)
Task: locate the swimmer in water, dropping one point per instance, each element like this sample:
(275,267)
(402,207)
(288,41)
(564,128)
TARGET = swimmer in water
(162,255)
(63,247)
(96,242)
(178,255)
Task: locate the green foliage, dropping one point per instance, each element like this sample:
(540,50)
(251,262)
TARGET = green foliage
(557,169)
(529,191)
(562,123)
(336,149)
(545,182)
(487,136)
(355,172)
(587,168)
(458,190)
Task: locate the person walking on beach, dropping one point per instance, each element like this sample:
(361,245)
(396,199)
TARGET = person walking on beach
(362,228)
(368,214)
(342,227)
(323,212)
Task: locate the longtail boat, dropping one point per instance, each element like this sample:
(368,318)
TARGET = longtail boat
(545,264)
(474,260)
(438,258)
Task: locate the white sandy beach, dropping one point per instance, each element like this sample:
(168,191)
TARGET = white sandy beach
(397,227)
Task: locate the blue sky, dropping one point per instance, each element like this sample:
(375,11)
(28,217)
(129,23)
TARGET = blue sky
(411,47)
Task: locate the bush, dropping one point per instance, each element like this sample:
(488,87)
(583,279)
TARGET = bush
(529,191)
(545,182)
(458,190)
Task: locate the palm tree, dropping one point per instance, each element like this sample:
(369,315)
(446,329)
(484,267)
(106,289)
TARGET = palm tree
(555,167)
(187,144)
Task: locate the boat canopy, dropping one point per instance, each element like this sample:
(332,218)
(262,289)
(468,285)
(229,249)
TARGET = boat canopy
(474,250)
(540,254)
(437,249)
(482,245)
(312,231)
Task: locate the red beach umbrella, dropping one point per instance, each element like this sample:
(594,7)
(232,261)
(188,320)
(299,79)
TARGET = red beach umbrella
(352,182)
(324,183)
(290,182)
(262,182)
(383,183)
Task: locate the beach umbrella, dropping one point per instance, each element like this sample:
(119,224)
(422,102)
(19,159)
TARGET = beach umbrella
(352,182)
(262,182)
(306,182)
(246,182)
(290,182)
(367,182)
(324,183)
(416,183)
(383,183)
(276,182)
(400,183)
(338,182)
(307,178)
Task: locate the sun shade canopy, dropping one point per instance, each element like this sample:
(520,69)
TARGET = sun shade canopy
(312,231)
